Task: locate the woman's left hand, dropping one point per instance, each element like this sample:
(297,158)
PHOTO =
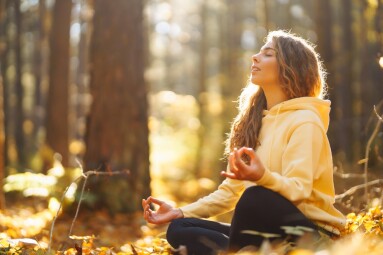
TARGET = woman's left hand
(239,170)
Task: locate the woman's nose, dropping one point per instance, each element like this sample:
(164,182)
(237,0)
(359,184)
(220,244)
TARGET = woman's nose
(255,58)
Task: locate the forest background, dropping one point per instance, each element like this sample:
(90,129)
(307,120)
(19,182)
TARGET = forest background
(145,91)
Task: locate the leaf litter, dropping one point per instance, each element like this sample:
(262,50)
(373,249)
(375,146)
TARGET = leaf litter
(25,230)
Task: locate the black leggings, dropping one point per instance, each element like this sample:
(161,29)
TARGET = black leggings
(258,212)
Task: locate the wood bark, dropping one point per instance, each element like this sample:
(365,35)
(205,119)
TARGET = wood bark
(57,102)
(3,7)
(117,127)
(19,90)
(324,23)
(343,90)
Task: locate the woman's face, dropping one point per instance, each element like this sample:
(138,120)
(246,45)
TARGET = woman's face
(264,69)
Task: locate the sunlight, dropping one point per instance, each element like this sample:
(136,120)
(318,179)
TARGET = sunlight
(71,192)
(373,3)
(29,182)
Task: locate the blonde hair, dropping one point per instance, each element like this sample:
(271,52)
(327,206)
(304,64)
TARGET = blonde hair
(301,74)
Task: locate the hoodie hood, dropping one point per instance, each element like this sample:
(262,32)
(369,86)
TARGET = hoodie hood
(320,107)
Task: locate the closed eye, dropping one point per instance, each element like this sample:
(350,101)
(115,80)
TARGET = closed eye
(268,51)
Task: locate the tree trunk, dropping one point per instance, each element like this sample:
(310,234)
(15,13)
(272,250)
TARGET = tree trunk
(57,102)
(324,22)
(40,70)
(81,75)
(19,90)
(231,53)
(2,122)
(343,88)
(266,4)
(117,128)
(202,93)
(3,69)
(2,140)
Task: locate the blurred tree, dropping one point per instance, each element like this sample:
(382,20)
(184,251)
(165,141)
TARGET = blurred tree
(323,28)
(211,134)
(3,68)
(2,126)
(81,73)
(341,85)
(117,128)
(19,89)
(201,95)
(234,78)
(57,101)
(343,91)
(2,140)
(40,68)
(371,72)
(266,6)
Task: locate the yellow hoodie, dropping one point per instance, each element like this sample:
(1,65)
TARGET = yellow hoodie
(296,154)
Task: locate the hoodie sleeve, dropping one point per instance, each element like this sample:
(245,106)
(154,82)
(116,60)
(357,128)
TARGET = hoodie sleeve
(220,201)
(300,161)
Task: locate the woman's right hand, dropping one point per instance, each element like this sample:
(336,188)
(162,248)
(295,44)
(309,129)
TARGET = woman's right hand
(164,214)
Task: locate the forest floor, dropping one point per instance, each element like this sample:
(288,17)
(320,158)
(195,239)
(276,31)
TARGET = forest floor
(25,228)
(97,232)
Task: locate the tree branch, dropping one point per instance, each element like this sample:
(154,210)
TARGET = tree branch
(85,175)
(377,115)
(357,187)
(367,153)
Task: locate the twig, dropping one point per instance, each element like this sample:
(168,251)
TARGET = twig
(357,187)
(347,176)
(82,192)
(57,213)
(85,176)
(377,115)
(367,153)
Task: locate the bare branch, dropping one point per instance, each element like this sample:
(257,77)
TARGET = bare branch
(85,176)
(78,205)
(57,213)
(377,115)
(346,176)
(357,187)
(367,154)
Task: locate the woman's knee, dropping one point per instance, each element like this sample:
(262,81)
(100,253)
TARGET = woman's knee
(259,192)
(174,229)
(255,196)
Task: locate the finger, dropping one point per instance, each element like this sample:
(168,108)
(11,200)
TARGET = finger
(156,201)
(150,217)
(248,151)
(239,163)
(229,175)
(233,167)
(143,203)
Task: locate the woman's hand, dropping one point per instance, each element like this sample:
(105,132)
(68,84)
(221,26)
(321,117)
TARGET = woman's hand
(164,214)
(239,170)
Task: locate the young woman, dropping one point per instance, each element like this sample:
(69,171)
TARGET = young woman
(281,176)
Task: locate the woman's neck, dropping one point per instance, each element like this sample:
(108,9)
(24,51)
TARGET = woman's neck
(274,97)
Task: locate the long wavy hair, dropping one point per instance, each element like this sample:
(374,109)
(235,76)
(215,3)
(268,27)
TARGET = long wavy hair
(301,74)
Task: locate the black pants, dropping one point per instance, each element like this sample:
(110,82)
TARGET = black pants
(259,213)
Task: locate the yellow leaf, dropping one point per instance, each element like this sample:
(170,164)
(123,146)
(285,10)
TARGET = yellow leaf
(369,224)
(351,216)
(301,252)
(362,161)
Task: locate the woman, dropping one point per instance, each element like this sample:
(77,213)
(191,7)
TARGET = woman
(281,177)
